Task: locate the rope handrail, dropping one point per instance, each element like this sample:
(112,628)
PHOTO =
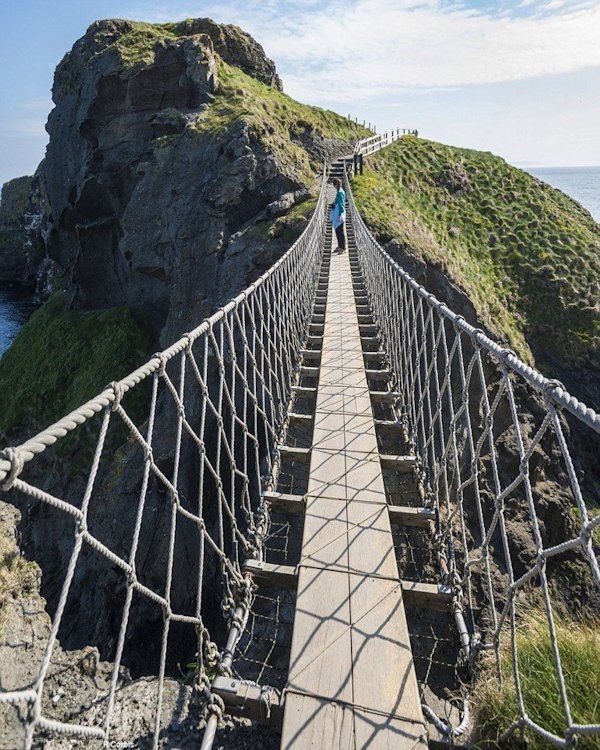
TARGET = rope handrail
(492,449)
(43,439)
(204,454)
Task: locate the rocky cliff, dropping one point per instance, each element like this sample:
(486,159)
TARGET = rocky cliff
(13,229)
(167,144)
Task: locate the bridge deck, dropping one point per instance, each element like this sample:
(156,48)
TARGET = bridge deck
(352,682)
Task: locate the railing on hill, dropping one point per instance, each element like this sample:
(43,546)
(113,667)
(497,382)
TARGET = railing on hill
(495,463)
(218,401)
(376,142)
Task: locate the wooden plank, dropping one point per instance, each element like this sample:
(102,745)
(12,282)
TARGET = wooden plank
(370,545)
(325,541)
(380,636)
(315,724)
(405,516)
(376,731)
(321,653)
(327,474)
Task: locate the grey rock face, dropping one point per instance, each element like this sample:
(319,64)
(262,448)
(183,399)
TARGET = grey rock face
(14,265)
(142,205)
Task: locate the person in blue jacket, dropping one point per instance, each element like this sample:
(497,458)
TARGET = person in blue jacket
(338,214)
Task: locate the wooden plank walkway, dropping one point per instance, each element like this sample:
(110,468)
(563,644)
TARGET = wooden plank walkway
(352,682)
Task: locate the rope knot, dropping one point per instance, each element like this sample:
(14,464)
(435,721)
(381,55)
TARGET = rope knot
(17,461)
(162,363)
(119,392)
(551,385)
(506,353)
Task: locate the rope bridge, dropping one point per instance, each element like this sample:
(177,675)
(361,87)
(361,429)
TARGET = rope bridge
(219,397)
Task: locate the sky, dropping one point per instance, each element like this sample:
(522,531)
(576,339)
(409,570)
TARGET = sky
(520,78)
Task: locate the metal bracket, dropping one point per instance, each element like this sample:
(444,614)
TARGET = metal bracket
(249,700)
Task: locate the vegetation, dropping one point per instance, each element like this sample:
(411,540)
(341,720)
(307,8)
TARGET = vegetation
(527,256)
(496,709)
(14,200)
(64,357)
(18,576)
(278,121)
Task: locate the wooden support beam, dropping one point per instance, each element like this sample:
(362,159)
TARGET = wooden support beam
(280,502)
(385,397)
(289,453)
(243,699)
(375,356)
(370,340)
(303,392)
(312,338)
(379,375)
(405,516)
(271,574)
(311,354)
(427,595)
(303,419)
(368,329)
(399,463)
(312,372)
(394,424)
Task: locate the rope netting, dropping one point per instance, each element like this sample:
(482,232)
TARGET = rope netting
(498,450)
(197,459)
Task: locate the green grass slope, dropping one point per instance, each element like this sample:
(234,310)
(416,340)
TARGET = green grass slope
(61,358)
(280,121)
(527,256)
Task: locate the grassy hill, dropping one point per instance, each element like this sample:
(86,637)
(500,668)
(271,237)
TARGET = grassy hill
(527,256)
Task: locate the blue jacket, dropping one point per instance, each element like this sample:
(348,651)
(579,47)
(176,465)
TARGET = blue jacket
(338,212)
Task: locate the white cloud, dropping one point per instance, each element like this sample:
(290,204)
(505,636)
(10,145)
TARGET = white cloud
(338,51)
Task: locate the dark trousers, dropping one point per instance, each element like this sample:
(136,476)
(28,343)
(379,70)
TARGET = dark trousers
(340,233)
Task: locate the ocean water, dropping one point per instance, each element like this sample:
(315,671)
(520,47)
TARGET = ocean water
(580,183)
(16,305)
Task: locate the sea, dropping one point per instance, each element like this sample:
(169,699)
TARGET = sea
(581,183)
(16,306)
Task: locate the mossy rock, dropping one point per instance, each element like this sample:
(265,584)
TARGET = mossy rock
(510,226)
(61,358)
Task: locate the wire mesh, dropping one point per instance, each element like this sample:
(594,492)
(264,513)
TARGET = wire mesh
(495,460)
(185,487)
